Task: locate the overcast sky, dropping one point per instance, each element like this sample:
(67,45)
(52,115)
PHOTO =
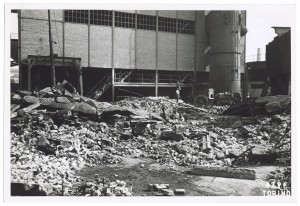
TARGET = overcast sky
(259,23)
(260,19)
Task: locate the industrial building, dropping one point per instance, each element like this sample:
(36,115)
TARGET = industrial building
(113,53)
(278,62)
(273,76)
(256,77)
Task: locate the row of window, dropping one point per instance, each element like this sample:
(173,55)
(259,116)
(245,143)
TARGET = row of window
(128,20)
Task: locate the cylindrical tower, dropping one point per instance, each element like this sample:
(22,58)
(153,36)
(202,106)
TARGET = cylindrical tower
(258,55)
(225,55)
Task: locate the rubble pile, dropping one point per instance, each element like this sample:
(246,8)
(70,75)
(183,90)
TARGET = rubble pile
(55,133)
(261,106)
(102,187)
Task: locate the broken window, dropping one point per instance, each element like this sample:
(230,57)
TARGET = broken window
(77,16)
(101,17)
(126,20)
(186,26)
(146,22)
(166,24)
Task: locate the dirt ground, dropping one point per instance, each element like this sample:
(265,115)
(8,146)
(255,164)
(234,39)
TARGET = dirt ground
(139,173)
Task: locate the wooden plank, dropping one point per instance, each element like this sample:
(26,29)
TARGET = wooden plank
(80,79)
(47,57)
(227,172)
(30,65)
(28,75)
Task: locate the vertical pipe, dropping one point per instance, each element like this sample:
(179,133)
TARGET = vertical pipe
(237,44)
(89,39)
(63,40)
(112,58)
(195,35)
(156,57)
(233,45)
(51,50)
(245,67)
(19,51)
(29,75)
(135,38)
(80,79)
(176,49)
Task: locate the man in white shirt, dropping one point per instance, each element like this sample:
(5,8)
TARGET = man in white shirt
(177,94)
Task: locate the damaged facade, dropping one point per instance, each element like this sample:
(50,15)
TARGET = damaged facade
(142,52)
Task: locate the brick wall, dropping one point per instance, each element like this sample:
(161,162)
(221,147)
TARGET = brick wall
(166,51)
(56,15)
(186,52)
(35,38)
(100,48)
(124,48)
(34,41)
(146,49)
(76,42)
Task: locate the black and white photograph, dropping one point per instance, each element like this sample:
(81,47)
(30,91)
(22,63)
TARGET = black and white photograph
(149,102)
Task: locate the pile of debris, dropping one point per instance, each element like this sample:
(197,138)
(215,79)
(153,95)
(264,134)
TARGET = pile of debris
(54,133)
(102,187)
(261,106)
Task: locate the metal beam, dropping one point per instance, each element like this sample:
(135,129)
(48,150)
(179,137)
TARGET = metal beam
(112,58)
(176,45)
(195,60)
(80,79)
(47,57)
(173,85)
(63,36)
(135,39)
(156,57)
(79,68)
(30,65)
(126,76)
(51,51)
(89,39)
(19,51)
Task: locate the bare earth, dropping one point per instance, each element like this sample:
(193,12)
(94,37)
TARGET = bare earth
(135,174)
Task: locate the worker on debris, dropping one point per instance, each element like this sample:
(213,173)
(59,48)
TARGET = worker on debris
(178,85)
(248,96)
(177,94)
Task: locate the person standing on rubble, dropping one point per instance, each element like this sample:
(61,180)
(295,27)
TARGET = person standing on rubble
(178,85)
(177,94)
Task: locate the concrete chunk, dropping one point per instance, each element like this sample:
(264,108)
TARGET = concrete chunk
(171,135)
(31,99)
(227,172)
(179,191)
